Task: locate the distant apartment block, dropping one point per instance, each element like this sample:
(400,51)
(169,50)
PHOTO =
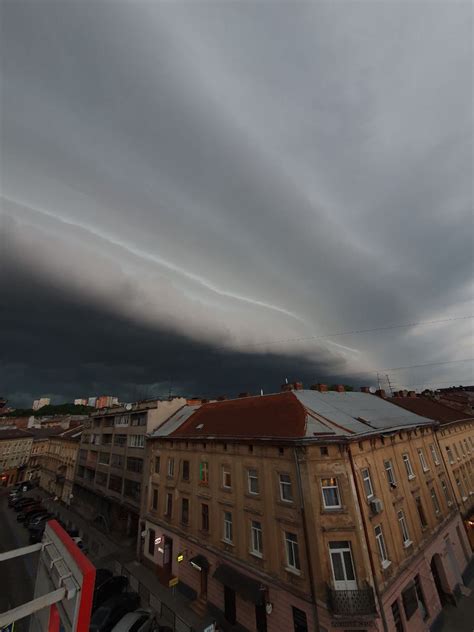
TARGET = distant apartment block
(41,402)
(80,402)
(110,465)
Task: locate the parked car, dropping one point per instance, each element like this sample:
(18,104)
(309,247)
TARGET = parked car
(111,587)
(112,610)
(37,518)
(138,621)
(28,510)
(102,575)
(36,533)
(23,502)
(80,544)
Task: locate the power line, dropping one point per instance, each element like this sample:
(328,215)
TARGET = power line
(352,332)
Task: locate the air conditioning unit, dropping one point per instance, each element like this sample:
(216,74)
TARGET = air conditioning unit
(376,506)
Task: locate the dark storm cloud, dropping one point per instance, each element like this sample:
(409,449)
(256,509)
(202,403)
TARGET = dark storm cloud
(61,346)
(240,173)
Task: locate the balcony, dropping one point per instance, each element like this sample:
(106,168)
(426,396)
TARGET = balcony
(352,602)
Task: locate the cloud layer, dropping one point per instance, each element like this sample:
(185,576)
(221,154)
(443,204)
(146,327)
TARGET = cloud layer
(232,175)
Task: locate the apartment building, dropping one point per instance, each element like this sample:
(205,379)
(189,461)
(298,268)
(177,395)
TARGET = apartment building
(110,463)
(304,510)
(58,463)
(15,448)
(455,441)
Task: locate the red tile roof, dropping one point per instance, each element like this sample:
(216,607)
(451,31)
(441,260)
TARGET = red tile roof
(429,408)
(277,416)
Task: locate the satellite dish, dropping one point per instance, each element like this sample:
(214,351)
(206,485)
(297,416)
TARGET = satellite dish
(128,407)
(372,389)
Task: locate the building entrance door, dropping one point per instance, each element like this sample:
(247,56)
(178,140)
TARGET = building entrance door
(342,566)
(229,605)
(261,618)
(203,594)
(168,554)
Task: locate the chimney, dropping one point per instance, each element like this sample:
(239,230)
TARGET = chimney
(222,398)
(364,389)
(322,388)
(412,394)
(244,394)
(286,387)
(340,388)
(298,386)
(380,393)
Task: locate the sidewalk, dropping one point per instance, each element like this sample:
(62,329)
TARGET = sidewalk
(171,606)
(460,618)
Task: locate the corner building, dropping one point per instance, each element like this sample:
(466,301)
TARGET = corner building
(304,510)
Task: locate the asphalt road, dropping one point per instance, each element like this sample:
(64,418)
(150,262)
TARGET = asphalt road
(17,575)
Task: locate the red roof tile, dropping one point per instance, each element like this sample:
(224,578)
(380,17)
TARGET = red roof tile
(277,416)
(429,408)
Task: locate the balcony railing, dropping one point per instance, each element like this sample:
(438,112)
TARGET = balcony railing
(352,602)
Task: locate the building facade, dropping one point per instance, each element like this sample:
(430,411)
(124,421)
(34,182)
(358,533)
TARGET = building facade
(15,448)
(304,509)
(110,463)
(58,464)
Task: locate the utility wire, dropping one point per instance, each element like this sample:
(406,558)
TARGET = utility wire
(352,332)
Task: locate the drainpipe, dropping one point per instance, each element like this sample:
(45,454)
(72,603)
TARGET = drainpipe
(366,536)
(307,540)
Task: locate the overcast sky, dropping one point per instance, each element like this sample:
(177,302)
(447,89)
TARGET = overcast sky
(190,187)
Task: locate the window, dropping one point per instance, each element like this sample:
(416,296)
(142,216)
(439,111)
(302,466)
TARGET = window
(134,464)
(204,473)
(462,448)
(435,501)
(410,600)
(256,540)
(286,492)
(131,489)
(226,477)
(157,464)
(446,491)
(116,460)
(324,450)
(101,478)
(185,470)
(106,439)
(467,446)
(185,510)
(136,441)
(369,490)
(300,623)
(397,618)
(292,554)
(408,467)
(390,473)
(403,528)
(449,452)
(252,477)
(122,420)
(82,454)
(228,526)
(104,458)
(381,546)
(154,500)
(115,483)
(434,454)
(205,517)
(423,462)
(421,512)
(169,505)
(120,440)
(455,450)
(421,598)
(139,420)
(331,496)
(151,541)
(170,469)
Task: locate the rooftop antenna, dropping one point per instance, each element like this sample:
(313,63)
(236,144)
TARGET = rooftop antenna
(389,384)
(286,380)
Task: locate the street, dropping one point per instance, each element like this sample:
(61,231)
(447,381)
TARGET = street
(17,574)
